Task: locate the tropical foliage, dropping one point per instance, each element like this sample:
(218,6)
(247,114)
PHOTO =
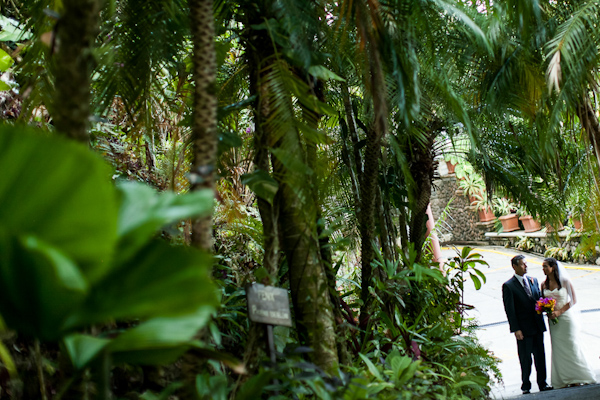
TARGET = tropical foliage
(298,143)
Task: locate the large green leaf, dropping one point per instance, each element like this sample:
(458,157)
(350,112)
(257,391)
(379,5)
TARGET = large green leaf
(159,340)
(228,140)
(372,368)
(6,61)
(83,348)
(261,183)
(158,280)
(156,341)
(323,73)
(39,286)
(292,161)
(11,32)
(60,192)
(61,267)
(144,211)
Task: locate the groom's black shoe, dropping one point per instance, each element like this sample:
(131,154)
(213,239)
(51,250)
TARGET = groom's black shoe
(526,392)
(546,388)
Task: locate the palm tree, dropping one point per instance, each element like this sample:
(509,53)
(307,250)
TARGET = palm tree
(572,69)
(204,120)
(527,147)
(76,32)
(293,214)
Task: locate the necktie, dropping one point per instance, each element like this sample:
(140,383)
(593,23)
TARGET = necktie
(526,286)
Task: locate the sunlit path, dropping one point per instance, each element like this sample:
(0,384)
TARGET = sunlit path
(494,332)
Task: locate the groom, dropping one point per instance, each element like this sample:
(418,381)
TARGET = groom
(520,294)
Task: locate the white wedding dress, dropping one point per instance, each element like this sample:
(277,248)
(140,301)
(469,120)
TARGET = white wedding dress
(569,363)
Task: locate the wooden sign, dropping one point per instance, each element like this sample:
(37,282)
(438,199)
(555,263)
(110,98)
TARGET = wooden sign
(268,305)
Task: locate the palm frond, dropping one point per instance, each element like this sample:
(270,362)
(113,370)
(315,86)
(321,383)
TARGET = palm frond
(576,40)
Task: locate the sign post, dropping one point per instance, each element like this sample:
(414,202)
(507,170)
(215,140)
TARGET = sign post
(271,306)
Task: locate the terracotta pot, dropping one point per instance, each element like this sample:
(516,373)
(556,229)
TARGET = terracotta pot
(450,167)
(510,222)
(486,215)
(530,224)
(550,228)
(472,199)
(577,223)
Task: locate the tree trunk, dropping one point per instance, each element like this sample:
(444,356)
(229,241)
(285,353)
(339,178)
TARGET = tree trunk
(369,181)
(422,170)
(298,215)
(312,119)
(296,212)
(368,190)
(341,329)
(204,122)
(308,282)
(353,134)
(402,224)
(347,160)
(259,54)
(75,35)
(384,234)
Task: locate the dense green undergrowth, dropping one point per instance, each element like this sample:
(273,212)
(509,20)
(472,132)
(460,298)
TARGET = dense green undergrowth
(95,305)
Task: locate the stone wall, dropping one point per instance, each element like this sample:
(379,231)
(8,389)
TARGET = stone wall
(539,242)
(461,223)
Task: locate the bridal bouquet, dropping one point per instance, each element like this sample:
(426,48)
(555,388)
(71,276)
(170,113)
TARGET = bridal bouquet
(546,305)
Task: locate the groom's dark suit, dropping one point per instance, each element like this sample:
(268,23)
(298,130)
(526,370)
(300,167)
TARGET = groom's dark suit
(520,310)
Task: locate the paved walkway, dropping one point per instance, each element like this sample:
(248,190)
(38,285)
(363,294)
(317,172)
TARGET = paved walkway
(494,332)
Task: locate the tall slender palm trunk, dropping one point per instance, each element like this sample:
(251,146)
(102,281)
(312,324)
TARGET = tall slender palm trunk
(312,119)
(292,217)
(369,181)
(355,162)
(204,122)
(72,65)
(422,168)
(308,281)
(259,56)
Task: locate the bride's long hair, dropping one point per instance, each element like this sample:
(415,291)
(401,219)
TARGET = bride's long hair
(554,264)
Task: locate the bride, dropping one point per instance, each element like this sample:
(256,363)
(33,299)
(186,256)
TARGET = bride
(569,364)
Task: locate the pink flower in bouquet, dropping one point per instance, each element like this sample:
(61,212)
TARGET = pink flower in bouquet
(546,305)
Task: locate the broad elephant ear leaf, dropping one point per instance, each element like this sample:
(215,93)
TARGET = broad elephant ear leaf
(159,280)
(144,211)
(6,61)
(159,340)
(83,349)
(262,184)
(39,286)
(59,192)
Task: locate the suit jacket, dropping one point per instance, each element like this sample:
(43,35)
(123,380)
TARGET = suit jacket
(520,308)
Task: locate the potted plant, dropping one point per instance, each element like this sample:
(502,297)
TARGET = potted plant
(530,224)
(576,209)
(509,219)
(454,151)
(484,207)
(463,169)
(577,222)
(554,227)
(472,185)
(451,161)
